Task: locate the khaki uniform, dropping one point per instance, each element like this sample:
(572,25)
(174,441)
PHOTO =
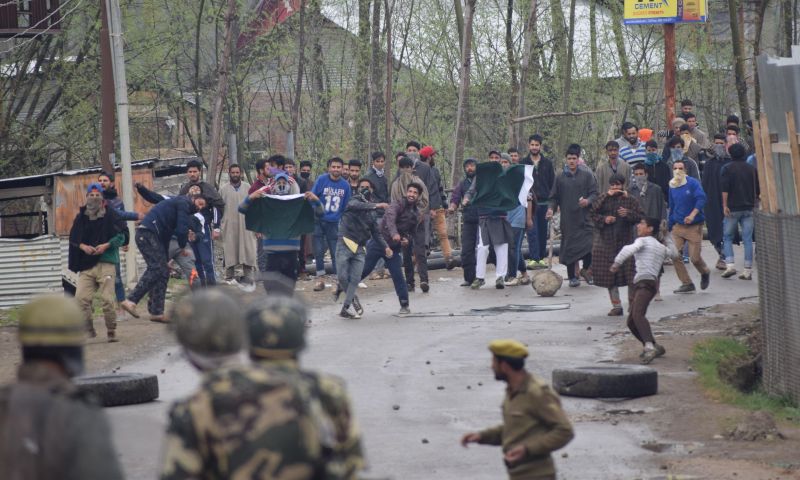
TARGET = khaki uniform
(533,417)
(48,430)
(328,399)
(243,423)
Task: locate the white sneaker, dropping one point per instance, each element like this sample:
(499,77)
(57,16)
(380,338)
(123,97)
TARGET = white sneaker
(729,272)
(362,285)
(512,283)
(747,274)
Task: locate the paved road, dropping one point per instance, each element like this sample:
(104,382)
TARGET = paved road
(391,361)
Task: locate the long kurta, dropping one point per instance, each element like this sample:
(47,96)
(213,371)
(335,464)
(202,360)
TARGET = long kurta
(238,243)
(610,238)
(576,223)
(712,174)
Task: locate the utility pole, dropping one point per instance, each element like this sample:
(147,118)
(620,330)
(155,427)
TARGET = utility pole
(121,95)
(106,94)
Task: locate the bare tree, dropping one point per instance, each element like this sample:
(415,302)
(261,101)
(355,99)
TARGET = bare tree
(512,68)
(566,71)
(376,89)
(463,93)
(530,39)
(222,92)
(362,79)
(301,62)
(738,60)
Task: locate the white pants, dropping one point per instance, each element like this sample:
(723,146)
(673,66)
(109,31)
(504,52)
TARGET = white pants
(500,251)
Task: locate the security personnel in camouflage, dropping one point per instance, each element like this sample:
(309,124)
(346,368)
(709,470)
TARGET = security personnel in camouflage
(243,422)
(534,424)
(277,335)
(47,428)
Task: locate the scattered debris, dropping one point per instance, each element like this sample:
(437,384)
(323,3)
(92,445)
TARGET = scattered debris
(523,308)
(395,407)
(755,426)
(440,387)
(425,440)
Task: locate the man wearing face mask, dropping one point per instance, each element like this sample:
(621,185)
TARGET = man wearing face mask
(691,148)
(94,239)
(469,226)
(658,168)
(712,177)
(686,202)
(676,153)
(699,136)
(303,179)
(359,223)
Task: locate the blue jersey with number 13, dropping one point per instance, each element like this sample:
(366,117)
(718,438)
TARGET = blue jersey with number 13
(333,194)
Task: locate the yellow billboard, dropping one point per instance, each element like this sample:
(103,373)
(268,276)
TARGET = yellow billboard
(643,12)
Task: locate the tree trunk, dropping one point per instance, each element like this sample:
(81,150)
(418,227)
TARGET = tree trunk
(760,12)
(376,89)
(301,63)
(619,42)
(593,39)
(567,78)
(527,62)
(559,36)
(738,59)
(387,133)
(197,104)
(787,7)
(362,80)
(319,85)
(222,92)
(459,11)
(463,94)
(512,67)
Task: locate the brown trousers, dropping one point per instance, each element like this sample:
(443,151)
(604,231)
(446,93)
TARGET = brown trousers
(98,279)
(693,235)
(439,221)
(643,293)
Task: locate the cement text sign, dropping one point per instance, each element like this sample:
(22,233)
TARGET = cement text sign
(648,12)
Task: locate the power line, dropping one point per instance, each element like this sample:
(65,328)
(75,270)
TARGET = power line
(67,13)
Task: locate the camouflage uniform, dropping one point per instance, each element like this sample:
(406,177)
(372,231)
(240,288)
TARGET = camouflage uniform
(47,428)
(243,422)
(277,334)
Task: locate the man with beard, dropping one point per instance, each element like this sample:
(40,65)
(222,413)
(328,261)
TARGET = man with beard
(631,149)
(376,174)
(415,249)
(167,218)
(110,195)
(94,240)
(358,224)
(606,169)
(544,177)
(213,213)
(534,423)
(397,227)
(334,193)
(469,225)
(657,168)
(573,194)
(614,214)
(238,244)
(353,173)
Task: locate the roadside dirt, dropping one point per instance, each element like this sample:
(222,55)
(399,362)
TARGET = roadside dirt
(689,424)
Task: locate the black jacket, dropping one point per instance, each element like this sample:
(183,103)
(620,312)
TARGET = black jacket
(359,221)
(544,176)
(380,194)
(93,233)
(400,218)
(170,217)
(150,196)
(740,181)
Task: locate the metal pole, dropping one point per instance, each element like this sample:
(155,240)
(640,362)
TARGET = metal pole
(121,95)
(106,95)
(669,72)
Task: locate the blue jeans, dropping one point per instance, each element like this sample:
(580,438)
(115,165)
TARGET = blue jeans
(325,234)
(537,235)
(516,264)
(394,264)
(730,225)
(204,258)
(350,265)
(119,289)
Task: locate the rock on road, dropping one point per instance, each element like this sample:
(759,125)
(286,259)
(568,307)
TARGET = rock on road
(419,383)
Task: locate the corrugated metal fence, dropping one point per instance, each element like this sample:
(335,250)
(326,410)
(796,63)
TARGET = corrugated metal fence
(28,268)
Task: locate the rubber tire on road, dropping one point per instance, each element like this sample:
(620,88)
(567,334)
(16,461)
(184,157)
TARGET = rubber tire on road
(120,388)
(618,381)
